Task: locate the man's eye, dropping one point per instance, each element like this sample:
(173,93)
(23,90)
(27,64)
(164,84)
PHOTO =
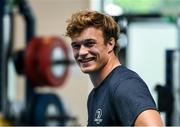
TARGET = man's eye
(90,43)
(76,46)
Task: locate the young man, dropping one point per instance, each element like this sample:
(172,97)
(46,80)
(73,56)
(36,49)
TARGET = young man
(120,96)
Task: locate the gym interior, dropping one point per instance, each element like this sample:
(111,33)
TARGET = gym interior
(40,84)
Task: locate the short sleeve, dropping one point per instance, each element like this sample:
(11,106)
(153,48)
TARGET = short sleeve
(131,97)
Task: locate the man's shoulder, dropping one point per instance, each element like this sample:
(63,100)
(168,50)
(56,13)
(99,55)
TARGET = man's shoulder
(122,73)
(124,79)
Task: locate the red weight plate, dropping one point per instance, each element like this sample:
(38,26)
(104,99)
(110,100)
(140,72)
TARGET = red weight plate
(46,61)
(31,61)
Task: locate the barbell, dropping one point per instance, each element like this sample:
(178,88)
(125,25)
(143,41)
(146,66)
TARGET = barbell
(45,61)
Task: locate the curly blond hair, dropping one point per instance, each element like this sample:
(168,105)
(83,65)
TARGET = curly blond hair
(86,18)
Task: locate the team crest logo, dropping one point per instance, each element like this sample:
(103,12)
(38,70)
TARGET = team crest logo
(98,115)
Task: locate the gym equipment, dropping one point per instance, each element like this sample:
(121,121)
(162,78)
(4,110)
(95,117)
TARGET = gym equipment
(159,32)
(6,42)
(2,3)
(47,109)
(18,61)
(170,105)
(46,61)
(48,105)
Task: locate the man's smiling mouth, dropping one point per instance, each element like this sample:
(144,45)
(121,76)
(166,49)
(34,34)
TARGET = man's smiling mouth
(86,60)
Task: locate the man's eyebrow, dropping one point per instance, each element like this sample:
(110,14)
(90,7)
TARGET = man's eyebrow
(87,40)
(82,41)
(73,43)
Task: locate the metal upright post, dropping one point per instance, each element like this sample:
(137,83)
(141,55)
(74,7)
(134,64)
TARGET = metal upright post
(2,2)
(29,18)
(7,29)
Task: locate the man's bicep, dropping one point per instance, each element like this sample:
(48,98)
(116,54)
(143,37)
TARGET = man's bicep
(149,118)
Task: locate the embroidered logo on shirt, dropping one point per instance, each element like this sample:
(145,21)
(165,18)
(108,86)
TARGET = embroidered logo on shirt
(98,115)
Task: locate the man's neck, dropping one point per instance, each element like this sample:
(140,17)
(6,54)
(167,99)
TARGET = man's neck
(99,76)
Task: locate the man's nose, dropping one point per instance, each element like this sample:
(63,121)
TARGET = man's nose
(83,50)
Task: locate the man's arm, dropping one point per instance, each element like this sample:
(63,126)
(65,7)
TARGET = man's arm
(149,118)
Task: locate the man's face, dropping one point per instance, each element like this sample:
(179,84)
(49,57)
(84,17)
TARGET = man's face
(90,51)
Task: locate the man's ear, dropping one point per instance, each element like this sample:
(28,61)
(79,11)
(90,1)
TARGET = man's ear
(111,44)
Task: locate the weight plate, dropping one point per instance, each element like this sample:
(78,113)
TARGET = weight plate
(46,61)
(52,57)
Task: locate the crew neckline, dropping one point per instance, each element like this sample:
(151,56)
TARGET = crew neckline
(108,76)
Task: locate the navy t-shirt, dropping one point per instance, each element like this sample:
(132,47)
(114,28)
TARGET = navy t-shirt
(119,99)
